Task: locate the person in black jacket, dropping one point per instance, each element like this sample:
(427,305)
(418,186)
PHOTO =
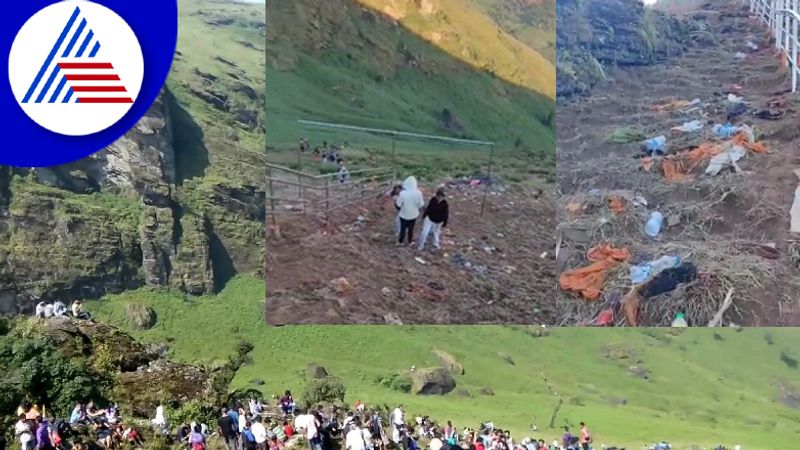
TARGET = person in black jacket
(435,218)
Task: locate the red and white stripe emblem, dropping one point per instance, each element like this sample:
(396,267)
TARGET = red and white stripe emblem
(95,82)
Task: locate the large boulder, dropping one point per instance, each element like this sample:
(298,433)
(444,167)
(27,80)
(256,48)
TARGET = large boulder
(142,317)
(432,381)
(166,383)
(449,362)
(316,372)
(106,346)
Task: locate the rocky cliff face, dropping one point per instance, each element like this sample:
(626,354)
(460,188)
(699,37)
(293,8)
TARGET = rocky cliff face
(593,35)
(106,223)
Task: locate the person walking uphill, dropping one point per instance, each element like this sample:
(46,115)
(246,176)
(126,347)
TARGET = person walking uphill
(435,218)
(410,202)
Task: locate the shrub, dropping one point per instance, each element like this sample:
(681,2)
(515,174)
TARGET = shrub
(395,382)
(324,390)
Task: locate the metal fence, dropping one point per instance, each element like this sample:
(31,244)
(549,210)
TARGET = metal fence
(782,17)
(292,192)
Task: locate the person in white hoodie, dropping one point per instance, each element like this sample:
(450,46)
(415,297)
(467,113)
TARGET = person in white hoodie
(410,202)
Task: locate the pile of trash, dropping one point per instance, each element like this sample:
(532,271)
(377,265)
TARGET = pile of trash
(620,283)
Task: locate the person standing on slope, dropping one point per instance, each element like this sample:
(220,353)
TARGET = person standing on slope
(586,437)
(397,424)
(410,202)
(435,219)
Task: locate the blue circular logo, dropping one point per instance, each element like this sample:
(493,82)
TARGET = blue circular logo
(80,74)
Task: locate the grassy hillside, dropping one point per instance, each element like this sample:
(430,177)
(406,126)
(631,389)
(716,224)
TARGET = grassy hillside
(217,79)
(633,386)
(530,21)
(442,67)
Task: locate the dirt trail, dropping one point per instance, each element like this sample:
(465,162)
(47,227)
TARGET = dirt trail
(490,269)
(720,223)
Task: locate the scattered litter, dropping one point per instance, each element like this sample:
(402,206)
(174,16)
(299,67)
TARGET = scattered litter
(654,146)
(795,211)
(624,135)
(769,114)
(728,158)
(420,260)
(735,110)
(689,127)
(678,166)
(386,292)
(639,201)
(605,318)
(740,56)
(543,255)
(643,272)
(751,45)
(679,321)
(725,131)
(669,279)
(653,225)
(588,281)
(488,249)
(732,98)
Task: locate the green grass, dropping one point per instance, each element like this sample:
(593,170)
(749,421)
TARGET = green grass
(212,31)
(705,386)
(378,75)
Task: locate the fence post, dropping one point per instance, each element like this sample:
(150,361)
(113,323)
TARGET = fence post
(271,197)
(486,188)
(795,43)
(327,200)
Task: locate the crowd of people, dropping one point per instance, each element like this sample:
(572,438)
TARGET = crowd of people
(59,309)
(410,205)
(34,430)
(258,426)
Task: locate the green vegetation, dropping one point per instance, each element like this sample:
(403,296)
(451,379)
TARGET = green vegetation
(531,21)
(631,385)
(449,72)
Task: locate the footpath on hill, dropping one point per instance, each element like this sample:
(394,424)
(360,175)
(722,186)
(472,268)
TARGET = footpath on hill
(675,185)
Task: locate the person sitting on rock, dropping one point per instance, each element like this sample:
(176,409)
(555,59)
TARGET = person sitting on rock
(59,309)
(78,312)
(78,414)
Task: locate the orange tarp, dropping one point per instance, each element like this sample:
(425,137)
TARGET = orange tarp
(677,166)
(743,140)
(588,281)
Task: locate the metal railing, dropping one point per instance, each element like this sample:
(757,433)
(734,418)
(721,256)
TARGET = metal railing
(783,19)
(292,192)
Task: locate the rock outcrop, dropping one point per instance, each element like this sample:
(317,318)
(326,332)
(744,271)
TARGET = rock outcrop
(103,224)
(593,35)
(432,381)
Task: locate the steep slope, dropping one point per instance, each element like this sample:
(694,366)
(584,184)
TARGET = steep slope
(531,21)
(595,35)
(404,65)
(632,386)
(177,202)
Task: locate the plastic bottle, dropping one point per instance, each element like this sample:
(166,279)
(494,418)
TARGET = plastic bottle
(655,146)
(653,226)
(643,272)
(665,262)
(679,321)
(725,131)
